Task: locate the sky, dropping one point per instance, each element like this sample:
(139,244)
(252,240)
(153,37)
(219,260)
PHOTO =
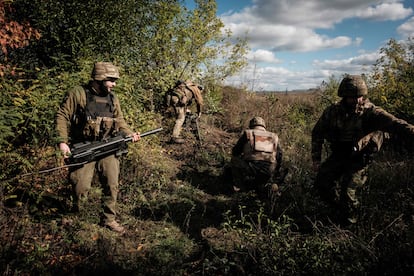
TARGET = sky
(297,44)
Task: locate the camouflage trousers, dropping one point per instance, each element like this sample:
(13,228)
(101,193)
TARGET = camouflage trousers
(108,172)
(251,175)
(339,182)
(180,113)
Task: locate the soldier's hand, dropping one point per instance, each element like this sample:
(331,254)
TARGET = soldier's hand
(64,148)
(135,136)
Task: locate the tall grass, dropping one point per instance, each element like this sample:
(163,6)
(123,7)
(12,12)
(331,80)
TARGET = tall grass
(183,219)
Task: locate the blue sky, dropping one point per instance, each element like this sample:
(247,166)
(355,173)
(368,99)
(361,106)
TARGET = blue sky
(297,44)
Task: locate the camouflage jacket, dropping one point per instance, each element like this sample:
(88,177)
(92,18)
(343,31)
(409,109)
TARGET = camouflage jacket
(69,128)
(345,130)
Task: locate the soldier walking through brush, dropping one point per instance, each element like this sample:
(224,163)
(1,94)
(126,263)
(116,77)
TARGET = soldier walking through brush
(92,113)
(355,129)
(181,98)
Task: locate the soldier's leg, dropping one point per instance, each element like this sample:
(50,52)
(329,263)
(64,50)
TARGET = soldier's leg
(108,169)
(325,182)
(350,194)
(262,172)
(81,180)
(180,112)
(239,171)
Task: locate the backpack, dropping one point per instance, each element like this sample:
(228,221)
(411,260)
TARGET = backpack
(261,145)
(183,93)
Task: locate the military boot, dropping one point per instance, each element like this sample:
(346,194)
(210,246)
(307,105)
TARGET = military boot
(177,140)
(115,226)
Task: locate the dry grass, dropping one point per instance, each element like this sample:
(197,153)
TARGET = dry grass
(182,218)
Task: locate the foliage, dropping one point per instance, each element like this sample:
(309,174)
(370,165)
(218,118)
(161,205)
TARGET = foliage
(156,42)
(329,91)
(177,202)
(14,34)
(182,220)
(392,79)
(275,247)
(10,112)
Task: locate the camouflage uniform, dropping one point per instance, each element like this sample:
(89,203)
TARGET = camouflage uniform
(181,97)
(256,158)
(353,137)
(85,115)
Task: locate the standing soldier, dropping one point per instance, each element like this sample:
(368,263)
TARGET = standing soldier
(256,158)
(92,113)
(354,128)
(181,97)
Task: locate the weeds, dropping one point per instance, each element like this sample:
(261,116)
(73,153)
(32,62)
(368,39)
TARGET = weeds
(183,218)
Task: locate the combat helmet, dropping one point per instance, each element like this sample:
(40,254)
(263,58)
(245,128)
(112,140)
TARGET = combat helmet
(352,86)
(104,70)
(257,121)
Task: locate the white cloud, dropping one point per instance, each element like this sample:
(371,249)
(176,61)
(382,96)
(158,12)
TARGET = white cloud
(349,64)
(280,78)
(277,78)
(282,25)
(290,38)
(358,41)
(309,26)
(262,56)
(407,28)
(385,12)
(316,13)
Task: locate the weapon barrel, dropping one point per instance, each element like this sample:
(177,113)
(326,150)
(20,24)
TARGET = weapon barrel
(151,132)
(89,151)
(129,138)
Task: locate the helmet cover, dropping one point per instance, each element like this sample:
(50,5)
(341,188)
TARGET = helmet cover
(352,86)
(257,121)
(104,71)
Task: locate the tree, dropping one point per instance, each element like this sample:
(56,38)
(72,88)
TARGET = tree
(155,42)
(393,79)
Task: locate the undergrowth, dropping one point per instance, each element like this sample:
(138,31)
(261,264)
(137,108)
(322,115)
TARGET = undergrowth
(183,217)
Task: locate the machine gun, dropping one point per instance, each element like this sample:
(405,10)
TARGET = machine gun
(85,152)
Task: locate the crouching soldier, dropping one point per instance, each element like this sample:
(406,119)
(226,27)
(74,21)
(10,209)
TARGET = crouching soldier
(256,158)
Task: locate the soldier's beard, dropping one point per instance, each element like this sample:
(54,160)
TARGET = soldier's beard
(103,89)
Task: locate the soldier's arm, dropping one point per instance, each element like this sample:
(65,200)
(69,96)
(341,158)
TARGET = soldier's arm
(382,120)
(318,135)
(238,147)
(64,116)
(279,157)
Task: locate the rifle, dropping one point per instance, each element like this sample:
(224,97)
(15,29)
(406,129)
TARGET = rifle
(190,120)
(198,137)
(86,152)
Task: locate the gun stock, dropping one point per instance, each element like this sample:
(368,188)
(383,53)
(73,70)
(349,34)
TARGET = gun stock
(86,152)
